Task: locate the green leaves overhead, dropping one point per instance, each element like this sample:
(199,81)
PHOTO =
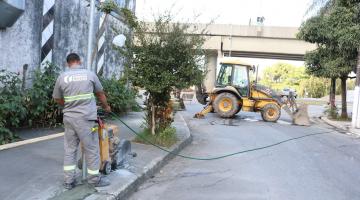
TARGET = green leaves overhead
(164,56)
(336,31)
(283,75)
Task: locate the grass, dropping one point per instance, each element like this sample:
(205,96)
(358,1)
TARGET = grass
(340,119)
(166,138)
(333,114)
(311,102)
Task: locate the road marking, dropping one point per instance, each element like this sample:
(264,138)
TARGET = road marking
(30,141)
(251,120)
(283,122)
(257,120)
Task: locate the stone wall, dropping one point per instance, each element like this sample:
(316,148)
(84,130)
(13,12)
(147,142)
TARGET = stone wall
(70,29)
(21,43)
(114,63)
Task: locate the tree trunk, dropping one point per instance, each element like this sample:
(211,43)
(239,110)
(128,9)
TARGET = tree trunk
(332,94)
(178,93)
(153,121)
(25,68)
(344,114)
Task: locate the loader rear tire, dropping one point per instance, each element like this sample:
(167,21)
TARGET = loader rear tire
(226,105)
(270,113)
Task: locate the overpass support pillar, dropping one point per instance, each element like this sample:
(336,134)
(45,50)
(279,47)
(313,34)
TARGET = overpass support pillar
(211,63)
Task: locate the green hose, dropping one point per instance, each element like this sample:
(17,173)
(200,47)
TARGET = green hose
(217,157)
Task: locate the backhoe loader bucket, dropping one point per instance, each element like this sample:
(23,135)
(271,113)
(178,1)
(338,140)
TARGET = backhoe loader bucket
(299,114)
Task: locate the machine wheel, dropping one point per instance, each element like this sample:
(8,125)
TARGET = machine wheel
(270,113)
(107,168)
(79,163)
(239,109)
(226,105)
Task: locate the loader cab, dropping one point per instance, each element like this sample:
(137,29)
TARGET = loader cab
(234,74)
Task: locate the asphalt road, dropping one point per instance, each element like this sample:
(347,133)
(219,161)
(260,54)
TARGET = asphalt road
(35,171)
(32,171)
(317,167)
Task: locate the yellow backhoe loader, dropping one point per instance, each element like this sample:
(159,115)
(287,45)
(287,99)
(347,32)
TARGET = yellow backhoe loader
(234,92)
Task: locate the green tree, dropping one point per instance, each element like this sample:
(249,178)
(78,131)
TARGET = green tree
(44,112)
(12,110)
(314,87)
(120,97)
(162,57)
(283,75)
(336,32)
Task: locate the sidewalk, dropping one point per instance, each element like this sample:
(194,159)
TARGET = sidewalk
(342,125)
(34,171)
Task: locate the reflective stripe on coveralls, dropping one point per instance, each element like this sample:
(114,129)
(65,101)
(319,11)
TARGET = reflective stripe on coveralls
(69,167)
(76,130)
(79,97)
(92,172)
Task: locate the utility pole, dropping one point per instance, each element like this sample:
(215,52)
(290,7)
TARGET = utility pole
(89,67)
(91,34)
(356,107)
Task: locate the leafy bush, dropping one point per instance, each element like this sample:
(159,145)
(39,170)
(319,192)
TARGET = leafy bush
(35,107)
(314,87)
(168,59)
(283,75)
(12,110)
(41,109)
(350,85)
(165,138)
(119,97)
(27,107)
(108,6)
(332,113)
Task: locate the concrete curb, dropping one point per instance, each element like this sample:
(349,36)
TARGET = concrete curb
(150,169)
(30,141)
(43,138)
(343,128)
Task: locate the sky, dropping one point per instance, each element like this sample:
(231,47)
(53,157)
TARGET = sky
(276,12)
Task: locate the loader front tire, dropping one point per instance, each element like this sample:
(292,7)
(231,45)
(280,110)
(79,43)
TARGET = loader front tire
(226,105)
(270,112)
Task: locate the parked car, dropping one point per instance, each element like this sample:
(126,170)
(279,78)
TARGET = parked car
(286,92)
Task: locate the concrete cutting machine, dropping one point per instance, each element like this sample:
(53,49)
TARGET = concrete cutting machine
(114,152)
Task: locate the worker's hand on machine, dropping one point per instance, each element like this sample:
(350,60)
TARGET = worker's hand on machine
(107,109)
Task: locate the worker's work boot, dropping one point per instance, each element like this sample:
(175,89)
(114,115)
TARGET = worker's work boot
(101,182)
(73,184)
(69,186)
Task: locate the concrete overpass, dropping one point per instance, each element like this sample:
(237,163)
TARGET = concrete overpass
(250,42)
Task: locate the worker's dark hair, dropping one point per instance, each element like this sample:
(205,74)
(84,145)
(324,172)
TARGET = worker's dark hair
(72,57)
